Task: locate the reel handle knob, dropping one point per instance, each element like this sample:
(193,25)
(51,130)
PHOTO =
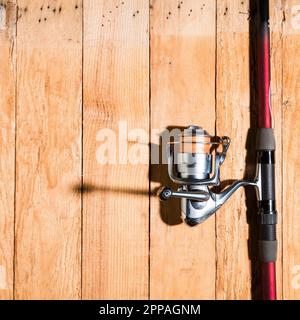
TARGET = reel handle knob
(164,193)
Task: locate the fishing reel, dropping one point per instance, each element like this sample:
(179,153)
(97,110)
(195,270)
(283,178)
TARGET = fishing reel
(194,160)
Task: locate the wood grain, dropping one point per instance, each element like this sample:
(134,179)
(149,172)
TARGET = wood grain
(7,147)
(291,163)
(182,259)
(68,206)
(48,211)
(116,201)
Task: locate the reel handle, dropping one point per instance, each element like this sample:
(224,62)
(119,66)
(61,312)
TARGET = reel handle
(166,193)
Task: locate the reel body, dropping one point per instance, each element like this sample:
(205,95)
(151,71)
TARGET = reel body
(194,160)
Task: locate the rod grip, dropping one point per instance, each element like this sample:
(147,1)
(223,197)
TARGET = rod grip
(267,205)
(265,140)
(268,251)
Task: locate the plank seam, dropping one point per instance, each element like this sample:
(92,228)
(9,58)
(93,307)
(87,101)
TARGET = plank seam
(15,160)
(150,149)
(282,158)
(81,179)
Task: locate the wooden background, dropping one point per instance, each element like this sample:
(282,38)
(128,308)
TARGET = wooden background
(71,228)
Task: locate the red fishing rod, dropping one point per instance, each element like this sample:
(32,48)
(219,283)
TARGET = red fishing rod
(266,157)
(195,158)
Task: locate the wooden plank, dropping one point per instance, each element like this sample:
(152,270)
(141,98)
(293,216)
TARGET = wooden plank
(233,119)
(236,239)
(48,212)
(182,259)
(7,149)
(276,16)
(291,163)
(116,201)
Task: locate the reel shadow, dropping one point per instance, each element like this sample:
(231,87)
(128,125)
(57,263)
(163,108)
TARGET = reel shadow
(170,211)
(87,188)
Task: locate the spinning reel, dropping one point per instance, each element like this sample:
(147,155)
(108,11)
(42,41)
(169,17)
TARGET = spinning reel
(194,160)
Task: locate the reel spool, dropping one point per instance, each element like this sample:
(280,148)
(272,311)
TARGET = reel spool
(193,161)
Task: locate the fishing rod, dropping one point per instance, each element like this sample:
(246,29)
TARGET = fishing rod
(266,156)
(195,158)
